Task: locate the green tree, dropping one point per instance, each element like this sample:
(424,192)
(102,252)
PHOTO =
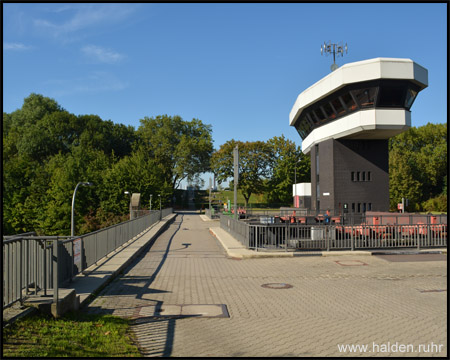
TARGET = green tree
(254,165)
(64,172)
(135,173)
(179,149)
(18,176)
(47,151)
(288,164)
(22,129)
(418,165)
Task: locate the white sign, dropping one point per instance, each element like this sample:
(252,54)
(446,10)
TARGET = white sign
(326,194)
(77,252)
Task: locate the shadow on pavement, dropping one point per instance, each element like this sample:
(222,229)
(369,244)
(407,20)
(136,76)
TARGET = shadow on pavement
(158,338)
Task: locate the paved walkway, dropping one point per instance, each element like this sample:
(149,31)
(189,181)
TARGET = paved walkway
(387,305)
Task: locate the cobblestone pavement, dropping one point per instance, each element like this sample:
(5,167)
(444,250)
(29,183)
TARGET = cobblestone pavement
(393,308)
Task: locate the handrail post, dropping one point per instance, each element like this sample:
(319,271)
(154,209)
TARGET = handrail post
(20,269)
(417,237)
(285,237)
(45,267)
(327,237)
(55,270)
(247,230)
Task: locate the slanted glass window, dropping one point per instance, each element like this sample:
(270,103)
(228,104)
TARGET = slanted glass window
(329,111)
(310,119)
(348,101)
(303,127)
(300,132)
(320,115)
(313,117)
(410,97)
(366,97)
(338,107)
(391,96)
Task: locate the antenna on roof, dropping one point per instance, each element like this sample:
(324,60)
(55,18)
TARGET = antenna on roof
(333,49)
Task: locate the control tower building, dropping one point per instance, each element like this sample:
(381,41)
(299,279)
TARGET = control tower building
(345,120)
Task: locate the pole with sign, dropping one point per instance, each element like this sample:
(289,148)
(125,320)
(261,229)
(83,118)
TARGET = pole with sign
(236,178)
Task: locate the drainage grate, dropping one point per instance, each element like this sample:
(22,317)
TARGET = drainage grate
(276,286)
(188,310)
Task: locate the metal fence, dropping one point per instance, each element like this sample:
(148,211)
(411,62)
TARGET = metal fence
(334,237)
(212,213)
(371,217)
(35,265)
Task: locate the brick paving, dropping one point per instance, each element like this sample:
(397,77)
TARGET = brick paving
(336,300)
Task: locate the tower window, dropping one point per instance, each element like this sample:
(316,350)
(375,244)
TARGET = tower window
(338,106)
(410,97)
(366,97)
(348,101)
(391,96)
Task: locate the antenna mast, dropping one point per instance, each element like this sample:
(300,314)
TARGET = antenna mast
(333,49)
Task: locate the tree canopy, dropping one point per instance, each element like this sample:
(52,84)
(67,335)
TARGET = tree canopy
(263,167)
(418,168)
(47,151)
(180,149)
(289,165)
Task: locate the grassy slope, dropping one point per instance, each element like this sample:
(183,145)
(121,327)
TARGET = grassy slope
(73,335)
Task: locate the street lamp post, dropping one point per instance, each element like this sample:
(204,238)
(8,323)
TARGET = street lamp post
(128,193)
(151,202)
(72,222)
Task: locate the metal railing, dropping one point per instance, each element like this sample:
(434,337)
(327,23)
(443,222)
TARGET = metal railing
(212,213)
(35,265)
(297,236)
(348,218)
(29,266)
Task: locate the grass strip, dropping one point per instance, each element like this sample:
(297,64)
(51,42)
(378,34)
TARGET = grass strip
(76,334)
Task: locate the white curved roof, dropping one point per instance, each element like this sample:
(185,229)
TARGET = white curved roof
(372,69)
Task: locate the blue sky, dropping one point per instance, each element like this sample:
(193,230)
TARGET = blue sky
(238,67)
